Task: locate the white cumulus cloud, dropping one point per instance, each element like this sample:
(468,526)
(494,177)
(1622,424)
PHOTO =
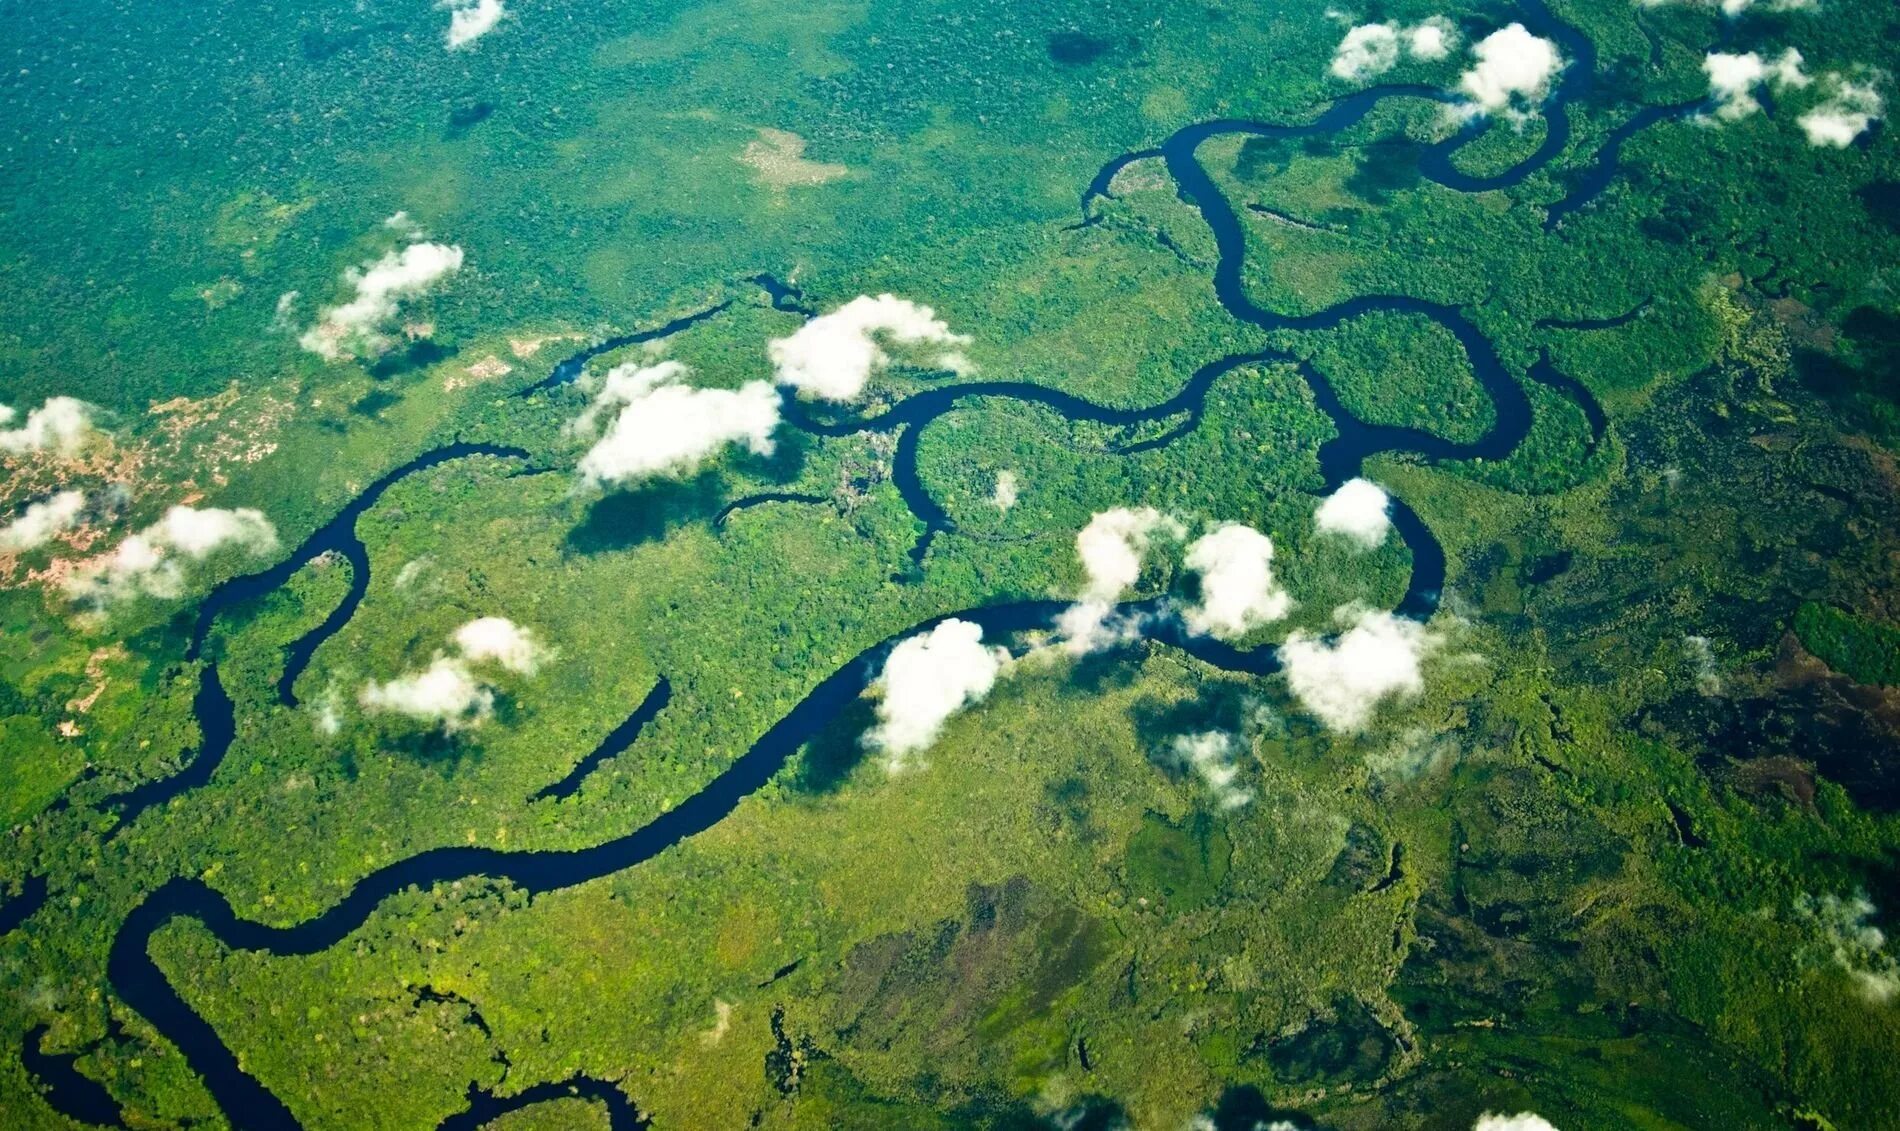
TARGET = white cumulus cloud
(928,678)
(195,532)
(1238,592)
(1513,66)
(833,355)
(1005,494)
(358,326)
(1376,658)
(469,20)
(1366,50)
(1112,544)
(1111,548)
(1416,751)
(1859,946)
(1733,79)
(448,691)
(1358,510)
(445,692)
(60,425)
(1202,1121)
(1211,756)
(1522,1121)
(1089,625)
(1708,676)
(1737,7)
(1369,50)
(40,520)
(501,640)
(327,715)
(147,563)
(1432,39)
(662,427)
(1848,113)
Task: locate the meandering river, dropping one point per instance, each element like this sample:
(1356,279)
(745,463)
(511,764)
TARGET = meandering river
(136,977)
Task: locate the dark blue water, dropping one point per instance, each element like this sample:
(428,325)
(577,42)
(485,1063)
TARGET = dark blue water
(22,907)
(1612,322)
(1588,184)
(217,724)
(298,654)
(788,297)
(338,534)
(570,368)
(737,505)
(1548,375)
(212,705)
(485,1107)
(343,540)
(246,1103)
(71,1093)
(614,744)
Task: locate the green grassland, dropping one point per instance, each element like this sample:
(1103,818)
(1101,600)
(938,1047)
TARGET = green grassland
(1575,875)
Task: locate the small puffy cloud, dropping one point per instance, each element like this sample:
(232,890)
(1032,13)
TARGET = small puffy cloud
(60,425)
(622,385)
(833,355)
(469,20)
(1376,658)
(41,520)
(196,532)
(926,679)
(1848,113)
(138,565)
(1366,50)
(445,692)
(1090,625)
(285,318)
(1238,592)
(1522,1121)
(1005,494)
(1205,1122)
(1211,757)
(1369,50)
(501,640)
(1858,946)
(1358,510)
(448,691)
(1732,82)
(1737,7)
(662,427)
(1733,79)
(1110,547)
(1701,654)
(1415,752)
(1513,66)
(1431,40)
(357,328)
(410,571)
(326,715)
(147,563)
(1787,70)
(1112,544)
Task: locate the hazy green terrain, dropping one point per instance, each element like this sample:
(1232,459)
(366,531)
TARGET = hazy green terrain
(1627,856)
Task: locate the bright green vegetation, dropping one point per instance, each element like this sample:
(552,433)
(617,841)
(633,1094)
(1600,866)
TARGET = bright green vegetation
(1578,873)
(1404,369)
(1867,651)
(1178,867)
